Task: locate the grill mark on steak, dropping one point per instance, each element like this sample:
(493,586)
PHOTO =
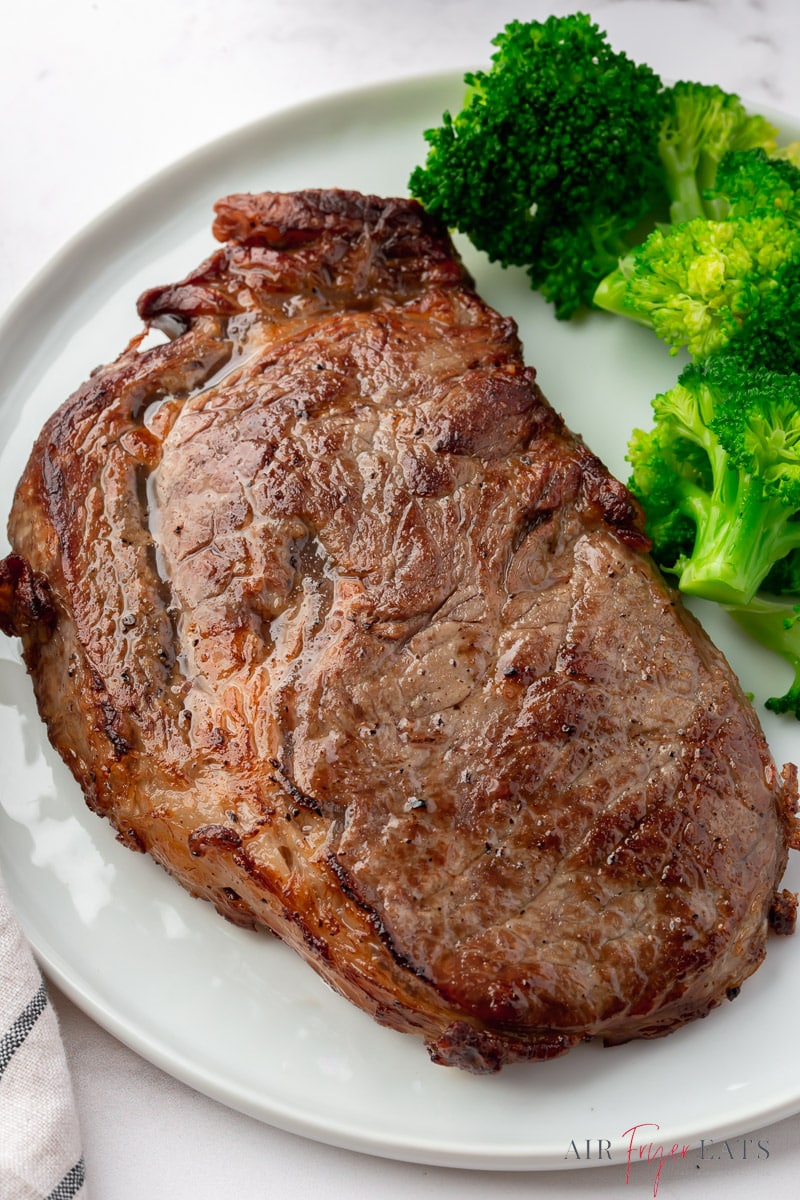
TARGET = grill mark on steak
(291,789)
(350,889)
(392,674)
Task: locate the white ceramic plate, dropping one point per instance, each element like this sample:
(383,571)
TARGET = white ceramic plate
(235,1014)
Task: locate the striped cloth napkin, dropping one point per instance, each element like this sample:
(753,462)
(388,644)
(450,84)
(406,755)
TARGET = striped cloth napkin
(40,1151)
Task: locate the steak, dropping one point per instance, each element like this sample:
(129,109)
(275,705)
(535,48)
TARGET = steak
(328,611)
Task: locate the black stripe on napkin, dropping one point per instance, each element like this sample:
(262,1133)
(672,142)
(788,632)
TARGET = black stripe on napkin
(11,1041)
(71,1184)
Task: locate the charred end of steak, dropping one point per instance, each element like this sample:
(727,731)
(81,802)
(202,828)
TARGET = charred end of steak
(327,611)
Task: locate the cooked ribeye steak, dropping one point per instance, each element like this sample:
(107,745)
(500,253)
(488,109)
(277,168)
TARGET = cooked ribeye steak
(327,610)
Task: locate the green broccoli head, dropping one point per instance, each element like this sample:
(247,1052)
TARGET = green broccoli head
(769,335)
(667,467)
(551,163)
(756,419)
(703,123)
(703,283)
(750,181)
(706,284)
(727,459)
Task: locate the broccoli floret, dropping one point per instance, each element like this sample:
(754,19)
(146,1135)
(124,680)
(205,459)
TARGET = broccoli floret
(666,465)
(706,284)
(698,284)
(727,458)
(552,163)
(776,624)
(702,124)
(751,181)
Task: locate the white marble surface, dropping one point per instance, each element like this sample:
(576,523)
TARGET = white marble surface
(97,96)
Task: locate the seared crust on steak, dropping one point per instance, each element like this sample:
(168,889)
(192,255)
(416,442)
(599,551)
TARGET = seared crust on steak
(327,611)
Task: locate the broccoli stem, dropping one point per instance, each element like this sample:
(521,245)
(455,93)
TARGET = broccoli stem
(740,535)
(686,199)
(610,296)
